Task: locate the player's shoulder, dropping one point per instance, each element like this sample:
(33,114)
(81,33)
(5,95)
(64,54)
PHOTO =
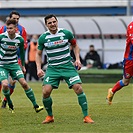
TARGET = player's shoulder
(19,37)
(21,27)
(43,35)
(2,28)
(63,29)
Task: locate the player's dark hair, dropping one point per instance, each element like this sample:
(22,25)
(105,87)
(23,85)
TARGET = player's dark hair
(91,45)
(48,17)
(11,21)
(14,12)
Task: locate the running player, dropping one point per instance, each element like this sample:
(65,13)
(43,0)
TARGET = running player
(10,41)
(21,31)
(127,65)
(57,43)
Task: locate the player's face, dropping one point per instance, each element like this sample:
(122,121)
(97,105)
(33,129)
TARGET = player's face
(52,25)
(15,17)
(11,29)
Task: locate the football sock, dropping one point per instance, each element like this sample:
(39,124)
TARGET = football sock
(83,103)
(117,86)
(29,93)
(47,102)
(11,87)
(7,95)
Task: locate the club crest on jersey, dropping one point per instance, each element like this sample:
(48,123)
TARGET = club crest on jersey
(61,37)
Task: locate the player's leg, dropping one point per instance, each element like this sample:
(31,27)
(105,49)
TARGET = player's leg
(82,102)
(17,73)
(30,94)
(47,102)
(11,86)
(50,81)
(127,74)
(6,92)
(5,89)
(73,80)
(119,85)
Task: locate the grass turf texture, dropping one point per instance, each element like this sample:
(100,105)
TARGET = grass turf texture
(116,118)
(100,75)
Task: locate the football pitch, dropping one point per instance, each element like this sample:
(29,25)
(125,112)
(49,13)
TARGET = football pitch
(117,118)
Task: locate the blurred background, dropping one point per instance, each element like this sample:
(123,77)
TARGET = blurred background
(101,23)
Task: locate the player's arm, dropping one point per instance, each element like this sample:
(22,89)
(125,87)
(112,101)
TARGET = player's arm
(39,52)
(22,52)
(76,52)
(40,72)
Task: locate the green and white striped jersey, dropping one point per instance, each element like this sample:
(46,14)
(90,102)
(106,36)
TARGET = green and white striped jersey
(57,46)
(9,48)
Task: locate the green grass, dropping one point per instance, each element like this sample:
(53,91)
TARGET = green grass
(100,71)
(116,118)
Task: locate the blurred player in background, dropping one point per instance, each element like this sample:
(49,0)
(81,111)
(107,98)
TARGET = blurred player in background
(57,43)
(21,31)
(127,65)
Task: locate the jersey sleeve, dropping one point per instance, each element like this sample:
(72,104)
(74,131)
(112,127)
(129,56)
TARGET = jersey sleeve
(71,38)
(41,42)
(22,51)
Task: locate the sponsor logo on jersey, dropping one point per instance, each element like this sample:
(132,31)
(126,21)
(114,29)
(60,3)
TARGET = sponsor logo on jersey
(5,46)
(54,43)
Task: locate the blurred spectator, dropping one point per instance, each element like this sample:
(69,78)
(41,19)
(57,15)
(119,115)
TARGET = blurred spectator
(30,57)
(92,58)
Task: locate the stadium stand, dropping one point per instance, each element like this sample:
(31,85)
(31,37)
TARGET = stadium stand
(107,34)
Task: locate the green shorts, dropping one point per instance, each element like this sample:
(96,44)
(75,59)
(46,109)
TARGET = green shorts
(67,72)
(13,70)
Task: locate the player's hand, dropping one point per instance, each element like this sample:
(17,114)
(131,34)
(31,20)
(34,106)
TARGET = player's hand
(23,69)
(40,73)
(77,64)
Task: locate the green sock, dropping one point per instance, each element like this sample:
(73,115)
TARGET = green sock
(6,93)
(47,102)
(83,103)
(29,93)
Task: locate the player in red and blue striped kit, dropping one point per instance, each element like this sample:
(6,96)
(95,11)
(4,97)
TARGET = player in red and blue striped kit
(21,31)
(127,65)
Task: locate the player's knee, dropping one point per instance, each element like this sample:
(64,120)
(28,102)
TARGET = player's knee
(47,91)
(24,85)
(77,88)
(5,85)
(126,83)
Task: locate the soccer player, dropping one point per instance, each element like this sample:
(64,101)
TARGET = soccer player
(127,65)
(21,31)
(56,42)
(10,41)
